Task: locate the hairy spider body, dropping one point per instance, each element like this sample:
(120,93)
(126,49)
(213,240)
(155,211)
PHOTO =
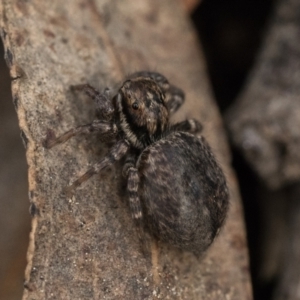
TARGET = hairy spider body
(183,192)
(176,189)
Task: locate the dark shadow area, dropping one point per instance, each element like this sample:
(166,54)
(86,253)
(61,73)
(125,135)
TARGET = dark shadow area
(231,32)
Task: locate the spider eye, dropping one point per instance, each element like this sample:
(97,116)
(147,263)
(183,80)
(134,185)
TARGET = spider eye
(135,105)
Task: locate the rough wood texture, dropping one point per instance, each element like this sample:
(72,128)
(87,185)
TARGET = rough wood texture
(265,120)
(86,247)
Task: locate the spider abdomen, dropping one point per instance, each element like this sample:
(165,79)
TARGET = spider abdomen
(183,191)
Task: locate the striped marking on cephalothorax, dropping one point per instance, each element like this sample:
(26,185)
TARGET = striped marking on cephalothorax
(125,126)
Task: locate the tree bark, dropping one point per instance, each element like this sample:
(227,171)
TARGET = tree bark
(86,246)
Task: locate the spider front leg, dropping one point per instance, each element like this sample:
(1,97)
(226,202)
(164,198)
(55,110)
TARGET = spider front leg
(103,102)
(134,200)
(190,125)
(174,98)
(129,162)
(115,154)
(135,203)
(96,126)
(131,173)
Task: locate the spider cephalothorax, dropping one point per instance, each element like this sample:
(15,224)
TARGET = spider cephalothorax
(176,189)
(142,110)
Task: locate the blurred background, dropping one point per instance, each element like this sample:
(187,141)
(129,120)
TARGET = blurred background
(231,32)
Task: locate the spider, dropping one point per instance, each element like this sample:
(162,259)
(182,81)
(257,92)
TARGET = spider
(175,187)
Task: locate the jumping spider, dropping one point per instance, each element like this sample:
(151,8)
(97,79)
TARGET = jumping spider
(176,189)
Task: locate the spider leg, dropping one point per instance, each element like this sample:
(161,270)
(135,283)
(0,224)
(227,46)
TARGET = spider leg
(96,126)
(129,163)
(115,154)
(102,100)
(190,125)
(174,98)
(134,200)
(131,172)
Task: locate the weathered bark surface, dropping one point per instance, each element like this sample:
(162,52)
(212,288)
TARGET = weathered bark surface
(265,120)
(86,247)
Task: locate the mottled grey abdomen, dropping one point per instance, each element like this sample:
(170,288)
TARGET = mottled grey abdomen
(183,191)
